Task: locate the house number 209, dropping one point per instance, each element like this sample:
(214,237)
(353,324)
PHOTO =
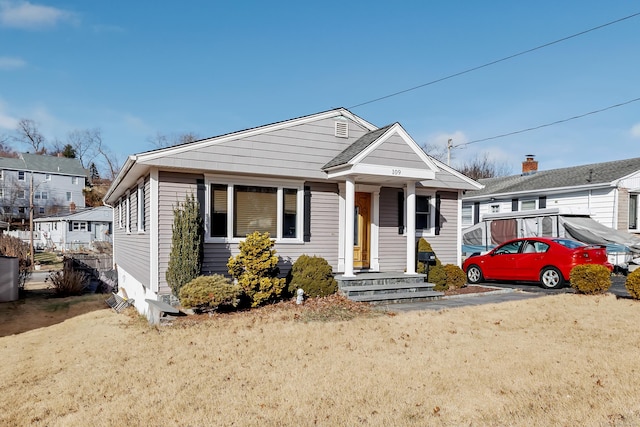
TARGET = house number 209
(396,171)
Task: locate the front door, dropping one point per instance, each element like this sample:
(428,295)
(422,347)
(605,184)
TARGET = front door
(362,230)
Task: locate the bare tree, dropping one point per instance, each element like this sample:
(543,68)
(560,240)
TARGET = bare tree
(85,143)
(436,151)
(483,167)
(5,149)
(27,133)
(162,140)
(110,160)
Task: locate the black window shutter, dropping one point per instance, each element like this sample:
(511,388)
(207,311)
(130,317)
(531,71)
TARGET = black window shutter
(438,201)
(400,212)
(514,205)
(201,194)
(476,212)
(542,202)
(307,214)
(70,225)
(89,226)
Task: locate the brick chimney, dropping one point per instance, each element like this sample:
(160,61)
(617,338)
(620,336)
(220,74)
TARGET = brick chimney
(529,165)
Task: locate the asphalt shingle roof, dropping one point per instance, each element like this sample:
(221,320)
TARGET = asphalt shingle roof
(592,174)
(44,163)
(356,148)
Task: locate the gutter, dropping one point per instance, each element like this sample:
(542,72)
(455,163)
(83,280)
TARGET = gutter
(130,163)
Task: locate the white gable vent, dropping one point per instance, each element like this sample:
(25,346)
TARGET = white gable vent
(342,129)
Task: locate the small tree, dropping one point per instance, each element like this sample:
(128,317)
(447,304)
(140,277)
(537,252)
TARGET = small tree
(185,259)
(256,269)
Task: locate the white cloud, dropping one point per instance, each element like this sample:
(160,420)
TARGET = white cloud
(7,122)
(635,131)
(26,15)
(7,63)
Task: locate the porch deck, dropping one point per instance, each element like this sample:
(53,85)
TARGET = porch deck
(387,287)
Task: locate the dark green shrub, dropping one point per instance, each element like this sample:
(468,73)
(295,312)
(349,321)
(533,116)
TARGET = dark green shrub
(455,276)
(424,246)
(590,279)
(314,275)
(633,284)
(185,259)
(14,247)
(438,276)
(256,269)
(67,282)
(207,293)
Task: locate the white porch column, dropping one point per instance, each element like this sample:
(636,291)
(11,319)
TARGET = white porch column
(350,195)
(411,227)
(374,252)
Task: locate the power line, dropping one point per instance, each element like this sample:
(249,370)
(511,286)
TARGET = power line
(548,124)
(496,61)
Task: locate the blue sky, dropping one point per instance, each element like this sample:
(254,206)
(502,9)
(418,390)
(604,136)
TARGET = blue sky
(138,68)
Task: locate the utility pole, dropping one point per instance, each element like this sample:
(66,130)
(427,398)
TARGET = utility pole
(449,147)
(31,221)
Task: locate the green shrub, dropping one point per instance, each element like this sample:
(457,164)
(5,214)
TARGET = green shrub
(185,258)
(438,276)
(207,293)
(14,247)
(314,275)
(590,279)
(256,269)
(424,246)
(633,284)
(455,276)
(67,282)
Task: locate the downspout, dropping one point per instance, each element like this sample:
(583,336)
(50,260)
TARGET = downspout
(615,213)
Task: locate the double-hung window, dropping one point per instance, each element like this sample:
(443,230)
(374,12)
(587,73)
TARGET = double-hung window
(21,176)
(141,213)
(423,213)
(633,211)
(235,210)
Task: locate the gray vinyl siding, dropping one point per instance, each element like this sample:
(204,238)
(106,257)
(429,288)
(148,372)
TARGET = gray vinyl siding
(395,152)
(299,151)
(445,245)
(173,187)
(324,235)
(132,252)
(392,245)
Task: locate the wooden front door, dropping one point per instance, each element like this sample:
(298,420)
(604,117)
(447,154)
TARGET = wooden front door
(362,230)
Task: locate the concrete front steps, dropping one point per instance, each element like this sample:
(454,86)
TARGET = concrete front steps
(377,288)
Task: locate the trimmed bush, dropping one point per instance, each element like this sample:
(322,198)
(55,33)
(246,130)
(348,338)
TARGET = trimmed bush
(207,293)
(633,284)
(438,276)
(314,275)
(455,276)
(590,279)
(67,282)
(185,258)
(256,269)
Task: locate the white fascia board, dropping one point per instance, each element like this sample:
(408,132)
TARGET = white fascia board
(379,170)
(131,161)
(252,132)
(462,176)
(538,191)
(617,182)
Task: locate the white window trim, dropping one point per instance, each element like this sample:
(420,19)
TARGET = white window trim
(140,213)
(47,177)
(120,213)
(24,176)
(79,223)
(521,202)
(470,222)
(432,218)
(1,174)
(127,216)
(230,182)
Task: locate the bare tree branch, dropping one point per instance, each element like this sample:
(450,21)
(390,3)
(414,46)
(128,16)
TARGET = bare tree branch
(27,133)
(162,140)
(483,167)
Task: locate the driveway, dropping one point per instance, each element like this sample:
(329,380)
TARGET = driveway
(617,287)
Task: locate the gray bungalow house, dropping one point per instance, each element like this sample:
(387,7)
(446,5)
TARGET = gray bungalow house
(75,230)
(328,184)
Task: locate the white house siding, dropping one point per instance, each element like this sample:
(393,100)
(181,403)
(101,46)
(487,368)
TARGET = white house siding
(132,253)
(394,152)
(172,189)
(623,210)
(445,245)
(392,245)
(300,151)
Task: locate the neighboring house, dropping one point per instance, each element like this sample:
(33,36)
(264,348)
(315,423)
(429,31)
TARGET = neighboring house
(74,231)
(608,192)
(54,184)
(329,184)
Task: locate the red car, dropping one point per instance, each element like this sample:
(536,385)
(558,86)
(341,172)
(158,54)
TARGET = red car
(534,259)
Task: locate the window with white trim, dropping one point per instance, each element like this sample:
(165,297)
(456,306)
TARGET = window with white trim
(120,213)
(22,194)
(79,226)
(633,211)
(495,208)
(47,177)
(528,205)
(141,208)
(423,212)
(74,180)
(127,214)
(1,174)
(1,193)
(21,176)
(41,210)
(69,196)
(235,210)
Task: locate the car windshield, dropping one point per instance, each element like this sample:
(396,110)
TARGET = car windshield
(571,244)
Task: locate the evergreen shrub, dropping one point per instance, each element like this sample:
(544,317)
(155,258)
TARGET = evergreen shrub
(590,279)
(207,293)
(633,284)
(256,269)
(314,275)
(185,258)
(424,246)
(455,276)
(438,276)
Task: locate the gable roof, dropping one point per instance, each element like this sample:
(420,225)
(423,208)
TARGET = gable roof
(44,163)
(356,148)
(591,175)
(100,214)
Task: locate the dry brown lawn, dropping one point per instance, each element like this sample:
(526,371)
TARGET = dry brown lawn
(565,360)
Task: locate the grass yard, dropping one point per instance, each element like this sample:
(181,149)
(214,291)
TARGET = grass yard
(563,360)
